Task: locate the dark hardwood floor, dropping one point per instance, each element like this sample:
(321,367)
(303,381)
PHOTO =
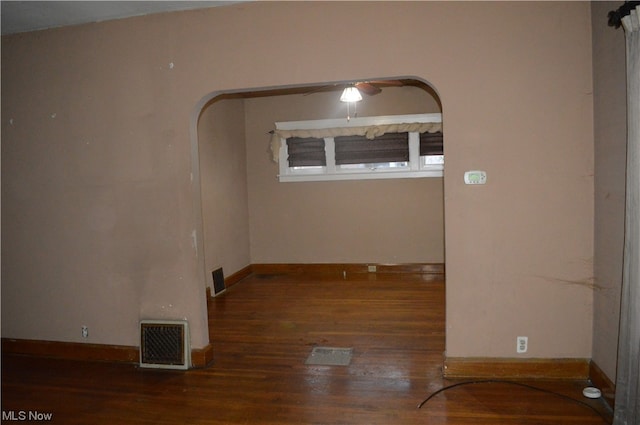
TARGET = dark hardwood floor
(262,330)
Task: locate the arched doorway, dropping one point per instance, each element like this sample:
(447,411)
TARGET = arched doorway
(248,217)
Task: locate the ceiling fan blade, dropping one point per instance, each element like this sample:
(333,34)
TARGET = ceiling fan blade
(368,88)
(319,89)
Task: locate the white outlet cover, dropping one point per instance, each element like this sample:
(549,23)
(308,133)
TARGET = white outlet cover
(522,343)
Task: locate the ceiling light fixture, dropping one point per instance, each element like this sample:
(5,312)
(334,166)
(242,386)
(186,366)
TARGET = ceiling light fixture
(351,95)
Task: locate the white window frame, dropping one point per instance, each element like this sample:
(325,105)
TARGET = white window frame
(417,166)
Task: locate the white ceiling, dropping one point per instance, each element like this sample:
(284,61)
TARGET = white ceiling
(22,16)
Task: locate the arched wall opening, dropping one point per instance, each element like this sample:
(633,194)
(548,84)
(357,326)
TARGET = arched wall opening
(248,217)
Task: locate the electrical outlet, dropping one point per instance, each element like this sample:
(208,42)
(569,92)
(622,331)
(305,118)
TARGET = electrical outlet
(85,332)
(372,269)
(522,343)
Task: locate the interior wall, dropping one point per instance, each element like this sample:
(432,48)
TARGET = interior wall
(223,181)
(610,132)
(376,221)
(97,211)
(99,224)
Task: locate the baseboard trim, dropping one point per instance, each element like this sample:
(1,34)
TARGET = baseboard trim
(513,368)
(71,350)
(601,380)
(202,357)
(77,351)
(348,268)
(238,276)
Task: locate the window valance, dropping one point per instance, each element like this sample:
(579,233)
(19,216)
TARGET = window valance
(369,131)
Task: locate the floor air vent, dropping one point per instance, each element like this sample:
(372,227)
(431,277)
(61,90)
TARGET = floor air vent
(330,356)
(164,344)
(218,281)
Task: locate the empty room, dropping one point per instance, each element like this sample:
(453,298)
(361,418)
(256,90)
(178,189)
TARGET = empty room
(320,212)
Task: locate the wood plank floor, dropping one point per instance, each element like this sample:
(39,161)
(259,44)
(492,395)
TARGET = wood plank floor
(262,330)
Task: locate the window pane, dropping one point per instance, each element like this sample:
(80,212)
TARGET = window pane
(432,160)
(431,144)
(373,166)
(306,152)
(390,147)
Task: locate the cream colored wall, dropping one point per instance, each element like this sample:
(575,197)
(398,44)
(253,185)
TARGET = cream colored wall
(100,211)
(223,180)
(610,127)
(377,221)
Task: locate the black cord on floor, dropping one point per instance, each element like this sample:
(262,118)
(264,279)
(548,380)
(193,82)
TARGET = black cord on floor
(498,381)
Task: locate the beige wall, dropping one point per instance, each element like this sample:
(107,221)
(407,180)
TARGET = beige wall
(98,134)
(610,128)
(223,181)
(377,221)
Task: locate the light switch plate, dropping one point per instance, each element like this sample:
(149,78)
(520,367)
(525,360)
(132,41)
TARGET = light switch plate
(475,177)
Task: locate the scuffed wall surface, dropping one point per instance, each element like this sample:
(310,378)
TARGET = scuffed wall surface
(97,218)
(101,233)
(377,221)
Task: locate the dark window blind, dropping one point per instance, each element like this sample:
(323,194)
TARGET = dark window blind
(431,144)
(306,152)
(390,147)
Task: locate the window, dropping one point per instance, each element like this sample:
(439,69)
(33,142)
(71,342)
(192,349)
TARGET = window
(306,153)
(398,146)
(431,149)
(390,150)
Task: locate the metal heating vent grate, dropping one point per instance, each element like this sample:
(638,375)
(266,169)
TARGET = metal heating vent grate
(330,356)
(164,344)
(218,281)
